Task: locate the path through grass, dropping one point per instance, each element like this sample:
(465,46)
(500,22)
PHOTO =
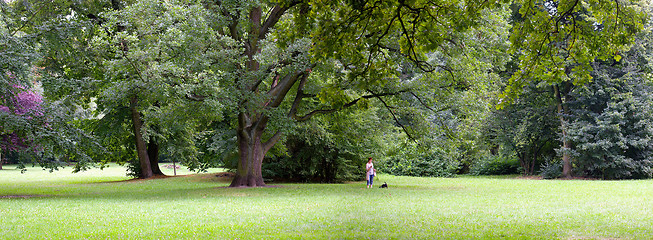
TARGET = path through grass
(101,205)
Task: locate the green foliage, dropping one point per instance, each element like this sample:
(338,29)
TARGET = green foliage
(612,127)
(329,148)
(557,41)
(445,107)
(527,128)
(411,161)
(551,169)
(496,165)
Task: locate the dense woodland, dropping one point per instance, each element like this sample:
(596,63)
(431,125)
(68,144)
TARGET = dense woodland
(306,90)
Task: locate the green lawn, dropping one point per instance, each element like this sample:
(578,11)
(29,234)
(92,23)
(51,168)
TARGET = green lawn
(101,205)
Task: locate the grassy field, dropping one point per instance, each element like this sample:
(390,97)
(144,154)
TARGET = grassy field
(103,205)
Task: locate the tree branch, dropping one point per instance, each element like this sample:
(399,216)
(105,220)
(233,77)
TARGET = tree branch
(298,97)
(394,117)
(275,15)
(273,140)
(278,93)
(331,110)
(268,71)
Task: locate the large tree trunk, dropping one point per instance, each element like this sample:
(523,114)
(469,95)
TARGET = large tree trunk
(566,159)
(153,155)
(250,160)
(0,159)
(141,149)
(250,155)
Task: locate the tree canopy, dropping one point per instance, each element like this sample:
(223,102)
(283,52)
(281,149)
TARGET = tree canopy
(144,77)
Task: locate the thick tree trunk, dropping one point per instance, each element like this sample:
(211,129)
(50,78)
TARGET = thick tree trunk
(153,155)
(0,159)
(141,149)
(250,148)
(249,166)
(250,155)
(566,159)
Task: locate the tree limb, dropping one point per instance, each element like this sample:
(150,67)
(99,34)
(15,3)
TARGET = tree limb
(394,117)
(331,110)
(274,17)
(273,140)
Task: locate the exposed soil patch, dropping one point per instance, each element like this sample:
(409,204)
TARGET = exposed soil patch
(152,178)
(530,177)
(21,196)
(572,178)
(586,238)
(225,175)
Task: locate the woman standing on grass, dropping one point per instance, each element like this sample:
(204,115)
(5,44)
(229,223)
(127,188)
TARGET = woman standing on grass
(370,172)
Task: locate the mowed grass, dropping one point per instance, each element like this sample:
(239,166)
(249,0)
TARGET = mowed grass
(100,204)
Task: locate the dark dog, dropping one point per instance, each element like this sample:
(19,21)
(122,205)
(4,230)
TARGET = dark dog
(384,185)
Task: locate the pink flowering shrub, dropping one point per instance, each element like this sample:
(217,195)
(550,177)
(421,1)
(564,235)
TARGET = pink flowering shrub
(26,104)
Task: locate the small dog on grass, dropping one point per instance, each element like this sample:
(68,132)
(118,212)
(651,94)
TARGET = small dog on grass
(384,185)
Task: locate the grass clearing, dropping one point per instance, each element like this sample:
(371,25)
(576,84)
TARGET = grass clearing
(101,204)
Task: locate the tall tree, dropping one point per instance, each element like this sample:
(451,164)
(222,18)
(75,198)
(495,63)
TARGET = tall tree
(278,74)
(158,59)
(610,118)
(558,40)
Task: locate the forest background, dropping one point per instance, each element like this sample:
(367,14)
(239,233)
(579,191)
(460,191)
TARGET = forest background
(308,90)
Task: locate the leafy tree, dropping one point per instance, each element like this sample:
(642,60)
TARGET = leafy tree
(558,40)
(363,46)
(158,59)
(611,117)
(526,127)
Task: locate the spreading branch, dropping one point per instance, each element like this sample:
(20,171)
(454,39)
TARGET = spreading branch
(347,105)
(275,15)
(394,116)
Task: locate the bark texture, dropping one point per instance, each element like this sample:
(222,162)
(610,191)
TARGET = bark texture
(251,152)
(141,149)
(566,158)
(153,155)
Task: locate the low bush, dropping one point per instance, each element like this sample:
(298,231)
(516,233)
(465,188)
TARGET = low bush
(495,165)
(436,164)
(551,169)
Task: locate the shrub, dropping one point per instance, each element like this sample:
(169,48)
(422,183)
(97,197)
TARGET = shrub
(495,165)
(435,164)
(551,169)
